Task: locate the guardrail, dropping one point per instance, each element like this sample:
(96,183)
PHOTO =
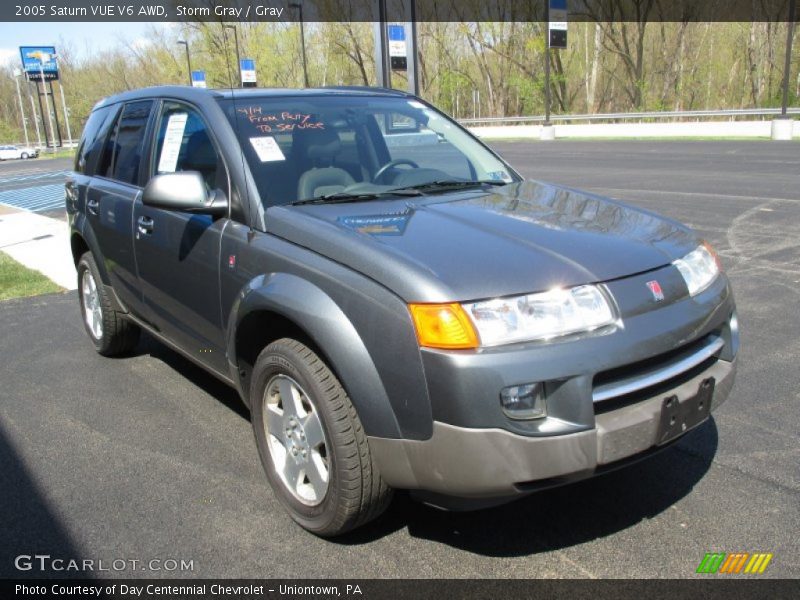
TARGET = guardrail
(66,145)
(732,113)
(634,116)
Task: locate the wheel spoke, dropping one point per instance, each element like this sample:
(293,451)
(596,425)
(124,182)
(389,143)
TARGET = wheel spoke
(313,430)
(317,475)
(291,471)
(290,396)
(275,423)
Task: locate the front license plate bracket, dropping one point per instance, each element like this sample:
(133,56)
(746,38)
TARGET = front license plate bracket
(679,417)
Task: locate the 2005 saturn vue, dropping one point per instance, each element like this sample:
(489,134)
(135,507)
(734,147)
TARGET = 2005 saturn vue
(397,307)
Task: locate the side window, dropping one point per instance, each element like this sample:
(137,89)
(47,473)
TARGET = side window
(97,161)
(90,134)
(122,154)
(184,144)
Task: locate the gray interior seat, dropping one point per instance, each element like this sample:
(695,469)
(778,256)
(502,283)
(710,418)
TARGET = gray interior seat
(323,181)
(317,150)
(200,156)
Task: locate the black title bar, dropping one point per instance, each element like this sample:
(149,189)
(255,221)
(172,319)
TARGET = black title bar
(66,11)
(730,588)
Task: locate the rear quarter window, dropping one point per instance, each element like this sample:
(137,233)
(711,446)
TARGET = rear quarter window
(90,133)
(121,156)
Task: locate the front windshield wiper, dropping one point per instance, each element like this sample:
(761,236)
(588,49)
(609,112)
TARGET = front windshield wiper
(411,190)
(446,184)
(341,197)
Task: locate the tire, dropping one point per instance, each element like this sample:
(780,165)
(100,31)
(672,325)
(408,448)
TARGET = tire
(336,444)
(24,156)
(108,329)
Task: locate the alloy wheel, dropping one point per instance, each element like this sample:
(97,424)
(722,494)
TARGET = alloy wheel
(92,311)
(296,440)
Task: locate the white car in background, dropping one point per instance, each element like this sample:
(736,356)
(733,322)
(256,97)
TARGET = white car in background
(12,152)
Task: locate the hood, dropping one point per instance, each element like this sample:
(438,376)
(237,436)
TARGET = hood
(469,245)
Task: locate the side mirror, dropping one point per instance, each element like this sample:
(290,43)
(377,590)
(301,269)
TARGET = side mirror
(184,191)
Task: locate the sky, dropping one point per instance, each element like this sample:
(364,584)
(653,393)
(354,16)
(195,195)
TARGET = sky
(80,36)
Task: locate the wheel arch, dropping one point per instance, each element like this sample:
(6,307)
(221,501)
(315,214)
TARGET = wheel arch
(79,247)
(81,241)
(283,305)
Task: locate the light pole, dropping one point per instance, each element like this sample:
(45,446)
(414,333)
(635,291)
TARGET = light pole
(45,57)
(413,58)
(783,125)
(35,116)
(63,103)
(299,7)
(788,64)
(238,56)
(17,74)
(188,60)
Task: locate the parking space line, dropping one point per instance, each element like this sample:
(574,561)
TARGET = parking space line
(34,177)
(35,199)
(699,194)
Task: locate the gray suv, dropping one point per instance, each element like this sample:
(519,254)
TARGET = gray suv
(396,306)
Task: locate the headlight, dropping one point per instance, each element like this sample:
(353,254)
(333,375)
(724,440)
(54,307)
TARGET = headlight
(699,268)
(540,316)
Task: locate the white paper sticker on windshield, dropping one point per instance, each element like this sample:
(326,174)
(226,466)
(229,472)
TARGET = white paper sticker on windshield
(267,148)
(173,138)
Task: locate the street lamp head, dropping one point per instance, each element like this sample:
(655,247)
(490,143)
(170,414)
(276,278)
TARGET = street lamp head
(184,42)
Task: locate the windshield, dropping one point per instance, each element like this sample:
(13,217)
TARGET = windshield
(338,146)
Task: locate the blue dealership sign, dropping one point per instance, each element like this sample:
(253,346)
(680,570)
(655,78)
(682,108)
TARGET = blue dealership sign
(247,71)
(557,25)
(38,60)
(397,47)
(397,33)
(199,79)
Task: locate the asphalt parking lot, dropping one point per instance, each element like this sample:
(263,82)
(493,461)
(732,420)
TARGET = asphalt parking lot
(147,457)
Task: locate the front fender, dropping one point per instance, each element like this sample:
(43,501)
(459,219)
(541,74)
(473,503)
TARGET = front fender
(323,321)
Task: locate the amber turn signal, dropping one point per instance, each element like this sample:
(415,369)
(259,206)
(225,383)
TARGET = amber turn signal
(443,326)
(713,253)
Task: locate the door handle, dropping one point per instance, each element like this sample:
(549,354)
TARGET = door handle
(145,225)
(92,206)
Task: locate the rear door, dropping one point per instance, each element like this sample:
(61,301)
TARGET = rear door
(111,194)
(177,253)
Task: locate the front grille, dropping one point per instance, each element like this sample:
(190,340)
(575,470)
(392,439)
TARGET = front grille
(630,383)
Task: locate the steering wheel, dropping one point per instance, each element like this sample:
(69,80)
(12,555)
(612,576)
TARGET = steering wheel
(393,163)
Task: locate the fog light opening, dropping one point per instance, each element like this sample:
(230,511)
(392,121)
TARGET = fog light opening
(524,402)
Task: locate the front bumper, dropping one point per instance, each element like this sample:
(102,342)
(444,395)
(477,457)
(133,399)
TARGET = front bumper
(475,464)
(605,393)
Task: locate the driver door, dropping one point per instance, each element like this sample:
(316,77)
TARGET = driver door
(178,253)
